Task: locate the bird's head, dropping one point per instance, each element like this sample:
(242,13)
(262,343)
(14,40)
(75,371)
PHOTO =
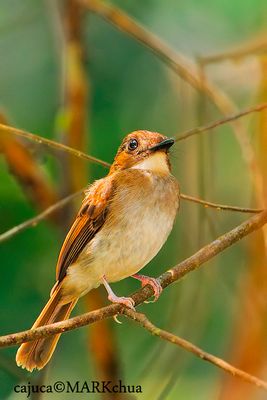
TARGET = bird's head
(144,150)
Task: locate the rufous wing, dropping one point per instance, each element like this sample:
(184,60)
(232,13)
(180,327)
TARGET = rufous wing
(88,222)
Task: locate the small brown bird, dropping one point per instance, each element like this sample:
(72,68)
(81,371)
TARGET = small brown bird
(124,220)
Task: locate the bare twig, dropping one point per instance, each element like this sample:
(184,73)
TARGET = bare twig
(188,346)
(35,220)
(219,122)
(243,50)
(50,143)
(217,206)
(174,274)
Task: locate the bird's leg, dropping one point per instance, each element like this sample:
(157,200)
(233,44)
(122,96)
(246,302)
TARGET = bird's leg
(127,301)
(146,280)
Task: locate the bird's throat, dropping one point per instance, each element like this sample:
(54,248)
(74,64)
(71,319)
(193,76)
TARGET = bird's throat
(155,162)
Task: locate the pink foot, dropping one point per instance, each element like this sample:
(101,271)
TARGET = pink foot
(127,301)
(146,280)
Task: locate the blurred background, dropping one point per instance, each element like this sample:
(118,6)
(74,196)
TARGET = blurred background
(69,75)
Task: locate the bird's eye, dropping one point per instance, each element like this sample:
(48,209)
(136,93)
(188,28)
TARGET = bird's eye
(133,144)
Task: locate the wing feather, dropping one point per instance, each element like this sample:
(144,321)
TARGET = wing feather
(88,222)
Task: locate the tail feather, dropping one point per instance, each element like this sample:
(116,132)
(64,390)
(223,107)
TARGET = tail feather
(37,353)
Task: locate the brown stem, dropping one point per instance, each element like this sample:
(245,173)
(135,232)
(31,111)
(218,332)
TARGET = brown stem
(188,346)
(219,122)
(35,220)
(51,143)
(219,207)
(249,48)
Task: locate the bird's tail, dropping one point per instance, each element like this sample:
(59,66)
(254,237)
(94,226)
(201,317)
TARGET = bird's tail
(37,353)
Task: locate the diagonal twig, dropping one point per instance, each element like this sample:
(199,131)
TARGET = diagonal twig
(249,48)
(35,220)
(219,122)
(188,346)
(50,143)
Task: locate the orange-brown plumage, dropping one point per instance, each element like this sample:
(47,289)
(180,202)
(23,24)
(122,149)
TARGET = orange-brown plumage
(124,220)
(89,220)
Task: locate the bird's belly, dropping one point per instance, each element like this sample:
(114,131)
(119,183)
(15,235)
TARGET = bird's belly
(123,251)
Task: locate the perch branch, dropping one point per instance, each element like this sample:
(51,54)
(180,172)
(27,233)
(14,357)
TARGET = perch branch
(188,346)
(174,274)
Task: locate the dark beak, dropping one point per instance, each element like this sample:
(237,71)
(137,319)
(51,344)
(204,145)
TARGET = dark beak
(165,144)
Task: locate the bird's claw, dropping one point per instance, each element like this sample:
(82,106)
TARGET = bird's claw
(156,286)
(126,301)
(116,319)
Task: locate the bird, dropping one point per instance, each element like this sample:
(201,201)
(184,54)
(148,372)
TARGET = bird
(124,220)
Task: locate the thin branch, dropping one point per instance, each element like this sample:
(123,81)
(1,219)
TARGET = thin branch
(188,346)
(35,220)
(219,122)
(247,49)
(174,274)
(217,206)
(51,143)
